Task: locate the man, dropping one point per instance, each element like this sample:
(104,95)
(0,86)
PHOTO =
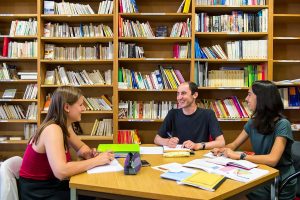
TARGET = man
(190,125)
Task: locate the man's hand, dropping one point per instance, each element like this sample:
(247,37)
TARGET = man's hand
(191,145)
(172,142)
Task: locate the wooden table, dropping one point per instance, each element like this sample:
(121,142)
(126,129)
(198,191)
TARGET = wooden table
(147,184)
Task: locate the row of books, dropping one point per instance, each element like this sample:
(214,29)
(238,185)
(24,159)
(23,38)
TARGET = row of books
(145,110)
(29,130)
(64,30)
(229,76)
(106,7)
(23,28)
(182,50)
(229,108)
(128,6)
(241,49)
(13,49)
(99,51)
(100,103)
(231,2)
(128,137)
(184,6)
(290,96)
(60,76)
(11,112)
(67,8)
(31,91)
(162,78)
(32,112)
(102,127)
(130,50)
(238,21)
(181,29)
(129,28)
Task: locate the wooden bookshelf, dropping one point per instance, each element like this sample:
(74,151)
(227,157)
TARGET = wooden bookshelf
(281,63)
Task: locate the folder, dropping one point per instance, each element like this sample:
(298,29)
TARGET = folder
(119,148)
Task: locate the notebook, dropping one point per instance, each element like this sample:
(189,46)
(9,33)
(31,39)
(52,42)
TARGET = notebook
(204,180)
(176,176)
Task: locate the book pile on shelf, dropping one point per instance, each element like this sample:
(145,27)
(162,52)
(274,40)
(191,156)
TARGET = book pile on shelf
(128,137)
(231,2)
(9,93)
(31,113)
(182,50)
(229,76)
(130,50)
(290,96)
(181,29)
(29,130)
(99,51)
(129,28)
(8,72)
(238,21)
(11,112)
(162,78)
(12,49)
(64,30)
(184,6)
(31,91)
(102,127)
(229,108)
(11,138)
(241,49)
(128,6)
(145,110)
(94,104)
(66,8)
(59,76)
(106,7)
(23,28)
(28,75)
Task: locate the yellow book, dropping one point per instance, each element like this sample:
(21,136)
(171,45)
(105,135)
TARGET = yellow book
(186,6)
(204,180)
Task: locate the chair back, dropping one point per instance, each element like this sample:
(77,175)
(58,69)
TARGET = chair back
(296,158)
(9,172)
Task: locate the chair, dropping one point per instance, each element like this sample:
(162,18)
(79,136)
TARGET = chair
(9,172)
(296,158)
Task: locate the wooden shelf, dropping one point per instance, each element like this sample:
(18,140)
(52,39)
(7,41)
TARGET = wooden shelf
(19,37)
(95,138)
(78,18)
(286,61)
(161,120)
(15,142)
(17,121)
(2,59)
(76,39)
(232,61)
(11,17)
(223,88)
(145,90)
(90,112)
(77,61)
(19,81)
(18,100)
(80,86)
(156,39)
(155,60)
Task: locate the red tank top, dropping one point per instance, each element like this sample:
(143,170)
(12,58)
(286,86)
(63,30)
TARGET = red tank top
(36,166)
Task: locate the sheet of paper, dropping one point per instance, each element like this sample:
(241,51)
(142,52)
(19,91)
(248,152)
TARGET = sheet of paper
(173,167)
(114,166)
(151,150)
(179,147)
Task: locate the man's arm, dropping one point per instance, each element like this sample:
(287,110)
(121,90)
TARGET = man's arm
(170,142)
(217,143)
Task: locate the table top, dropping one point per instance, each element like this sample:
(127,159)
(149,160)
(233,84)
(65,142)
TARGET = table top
(148,184)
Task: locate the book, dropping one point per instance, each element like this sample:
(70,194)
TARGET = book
(176,176)
(119,148)
(204,180)
(244,164)
(49,7)
(9,94)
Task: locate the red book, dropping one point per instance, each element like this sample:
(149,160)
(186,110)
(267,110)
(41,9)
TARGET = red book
(6,41)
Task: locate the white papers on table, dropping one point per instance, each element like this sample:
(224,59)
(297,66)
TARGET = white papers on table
(114,166)
(151,150)
(173,167)
(179,147)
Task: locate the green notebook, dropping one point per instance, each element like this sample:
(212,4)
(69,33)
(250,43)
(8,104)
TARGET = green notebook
(119,148)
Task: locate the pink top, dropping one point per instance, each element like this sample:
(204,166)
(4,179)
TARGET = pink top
(36,165)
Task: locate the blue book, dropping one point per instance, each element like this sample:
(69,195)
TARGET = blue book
(176,176)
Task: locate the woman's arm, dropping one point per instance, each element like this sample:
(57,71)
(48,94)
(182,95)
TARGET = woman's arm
(52,138)
(80,147)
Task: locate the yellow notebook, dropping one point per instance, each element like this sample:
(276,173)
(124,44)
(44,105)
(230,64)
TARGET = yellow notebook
(204,180)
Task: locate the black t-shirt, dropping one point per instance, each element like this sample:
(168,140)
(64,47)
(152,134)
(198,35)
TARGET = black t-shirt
(196,127)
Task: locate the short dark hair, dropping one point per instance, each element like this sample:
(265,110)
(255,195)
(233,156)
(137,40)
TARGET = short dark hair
(269,106)
(193,87)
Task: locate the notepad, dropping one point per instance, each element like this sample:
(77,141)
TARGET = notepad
(176,149)
(204,180)
(119,148)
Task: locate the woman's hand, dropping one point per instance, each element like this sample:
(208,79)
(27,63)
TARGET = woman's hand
(105,158)
(218,151)
(231,154)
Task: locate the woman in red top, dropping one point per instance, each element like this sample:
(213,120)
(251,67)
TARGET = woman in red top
(46,163)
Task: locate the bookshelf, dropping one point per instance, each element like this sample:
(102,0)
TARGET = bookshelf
(286,17)
(280,64)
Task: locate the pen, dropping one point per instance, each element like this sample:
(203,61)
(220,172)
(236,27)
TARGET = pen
(169,134)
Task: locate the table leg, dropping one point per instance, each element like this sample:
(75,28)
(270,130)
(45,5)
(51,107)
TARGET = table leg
(73,194)
(274,189)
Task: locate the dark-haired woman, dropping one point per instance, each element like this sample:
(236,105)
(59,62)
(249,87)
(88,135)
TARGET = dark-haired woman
(270,136)
(47,163)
